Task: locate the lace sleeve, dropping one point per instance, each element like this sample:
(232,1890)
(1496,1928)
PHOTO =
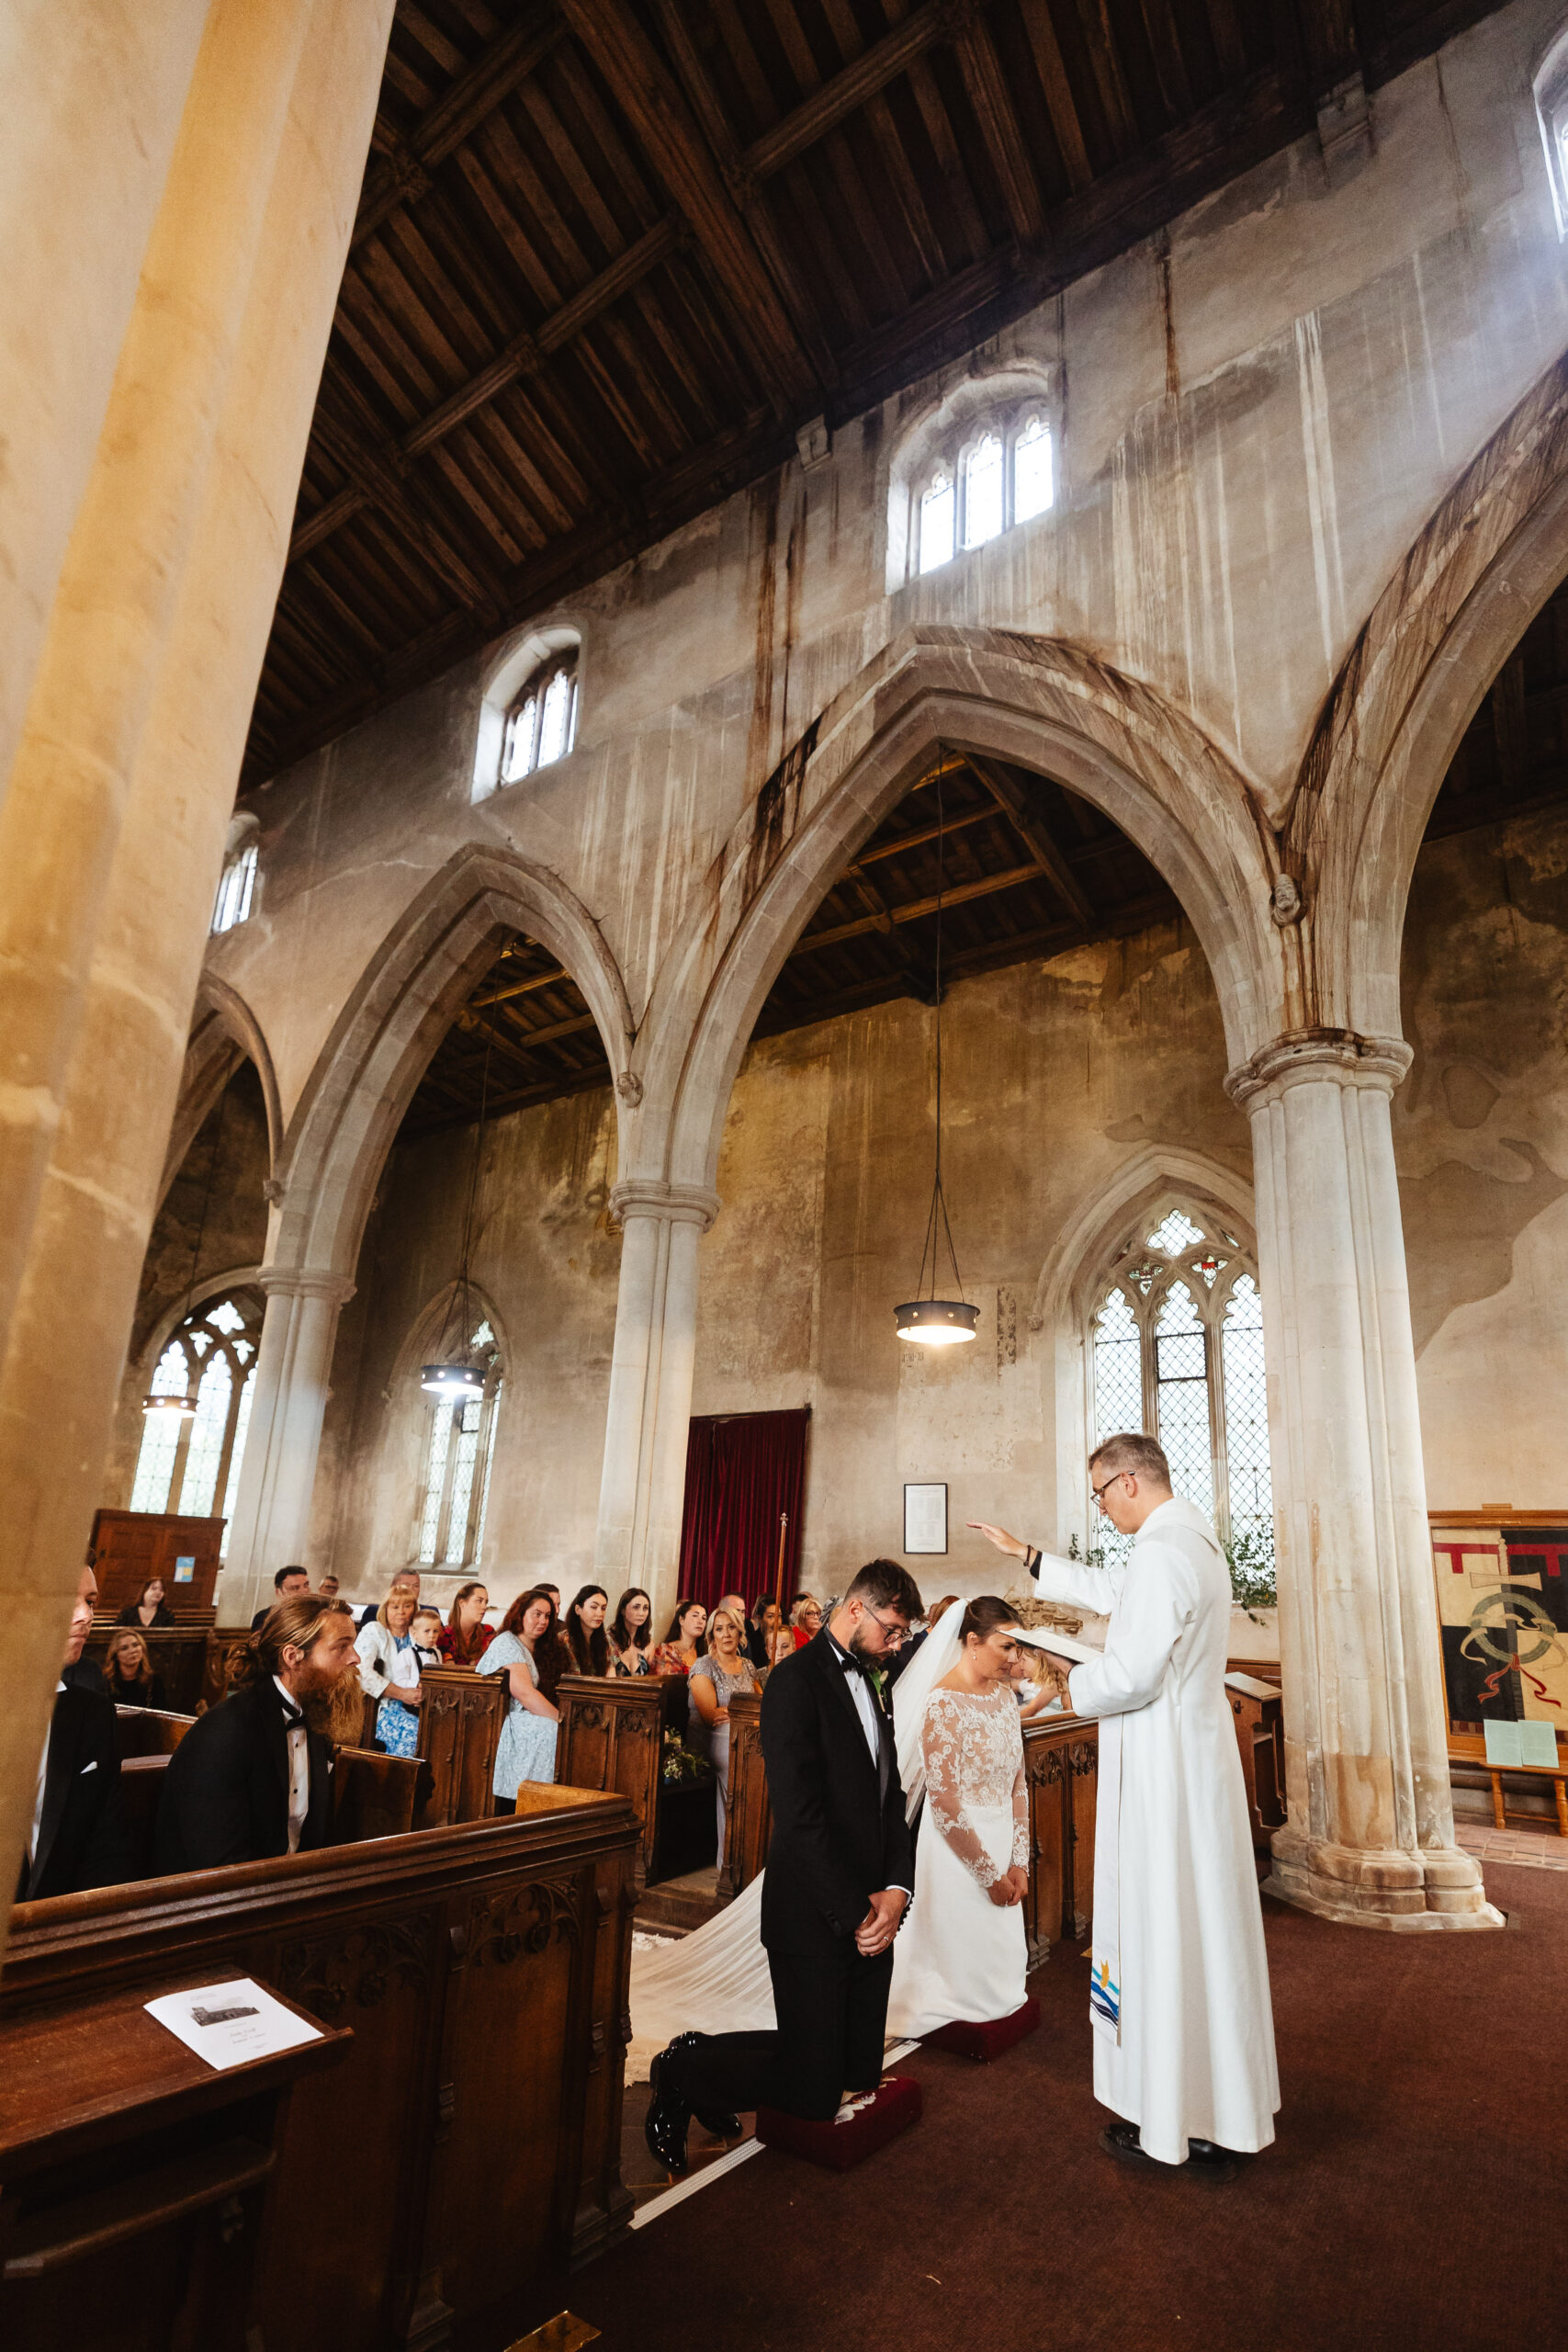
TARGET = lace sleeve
(1021,1821)
(940,1747)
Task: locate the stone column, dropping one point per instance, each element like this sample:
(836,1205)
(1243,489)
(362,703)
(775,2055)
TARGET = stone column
(277,1477)
(643,1484)
(1370,1837)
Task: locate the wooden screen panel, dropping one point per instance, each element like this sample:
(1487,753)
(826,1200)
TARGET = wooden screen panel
(749,1821)
(1083,1791)
(130,1547)
(612,1738)
(460,1730)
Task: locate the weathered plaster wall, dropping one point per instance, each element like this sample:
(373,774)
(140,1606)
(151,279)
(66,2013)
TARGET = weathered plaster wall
(227,1215)
(1254,427)
(1481,1132)
(1056,1074)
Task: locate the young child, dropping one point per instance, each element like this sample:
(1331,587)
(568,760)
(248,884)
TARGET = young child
(424,1628)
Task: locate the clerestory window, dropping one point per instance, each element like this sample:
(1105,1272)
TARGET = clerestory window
(236,891)
(541,725)
(1002,475)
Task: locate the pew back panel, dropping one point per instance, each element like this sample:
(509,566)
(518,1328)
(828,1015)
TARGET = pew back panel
(462,2138)
(177,1655)
(1060,1762)
(459,1729)
(612,1737)
(750,1821)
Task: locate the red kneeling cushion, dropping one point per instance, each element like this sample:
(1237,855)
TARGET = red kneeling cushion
(988,2040)
(850,2137)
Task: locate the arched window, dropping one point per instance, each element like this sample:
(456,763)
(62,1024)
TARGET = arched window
(236,890)
(1175,1347)
(969,494)
(541,725)
(190,1464)
(458,1451)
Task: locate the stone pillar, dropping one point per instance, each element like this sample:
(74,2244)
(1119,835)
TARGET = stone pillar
(643,1484)
(277,1477)
(116,803)
(1370,1839)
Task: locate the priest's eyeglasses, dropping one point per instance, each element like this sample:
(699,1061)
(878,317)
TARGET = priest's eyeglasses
(1099,1492)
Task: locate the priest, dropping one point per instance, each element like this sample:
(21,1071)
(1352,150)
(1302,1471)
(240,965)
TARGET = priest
(1183,2027)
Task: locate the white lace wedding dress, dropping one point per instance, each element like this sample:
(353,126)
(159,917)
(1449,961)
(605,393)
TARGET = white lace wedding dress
(959,1954)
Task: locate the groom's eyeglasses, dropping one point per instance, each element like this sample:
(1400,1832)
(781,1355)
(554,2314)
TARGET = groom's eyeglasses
(897,1635)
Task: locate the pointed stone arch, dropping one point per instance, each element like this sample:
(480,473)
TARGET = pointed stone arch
(1045,703)
(224,1032)
(383,1041)
(1466,590)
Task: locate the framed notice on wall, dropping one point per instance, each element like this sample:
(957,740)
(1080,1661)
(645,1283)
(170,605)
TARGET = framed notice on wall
(925,1518)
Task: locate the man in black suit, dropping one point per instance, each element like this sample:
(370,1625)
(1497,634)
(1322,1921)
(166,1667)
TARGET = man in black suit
(252,1777)
(838,1880)
(286,1585)
(78,1834)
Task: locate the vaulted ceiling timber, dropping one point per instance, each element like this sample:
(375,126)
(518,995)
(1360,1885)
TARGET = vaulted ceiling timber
(611,254)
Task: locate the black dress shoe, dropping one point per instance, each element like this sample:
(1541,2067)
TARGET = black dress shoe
(1121,2141)
(715,2121)
(1206,2160)
(664,2125)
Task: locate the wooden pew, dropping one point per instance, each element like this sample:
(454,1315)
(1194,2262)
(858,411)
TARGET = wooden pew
(1259,1712)
(459,1727)
(471,2138)
(177,1655)
(750,1824)
(148,1731)
(612,1737)
(1061,1765)
(375,1795)
(220,1640)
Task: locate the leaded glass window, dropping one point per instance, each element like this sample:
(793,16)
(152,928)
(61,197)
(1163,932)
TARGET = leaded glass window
(541,726)
(458,1450)
(983,476)
(1033,485)
(976,489)
(1175,1347)
(187,1463)
(939,511)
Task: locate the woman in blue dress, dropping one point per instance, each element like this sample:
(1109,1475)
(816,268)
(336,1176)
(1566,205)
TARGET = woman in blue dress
(526,1749)
(389,1669)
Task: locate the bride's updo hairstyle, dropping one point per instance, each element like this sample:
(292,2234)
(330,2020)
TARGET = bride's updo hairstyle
(985,1615)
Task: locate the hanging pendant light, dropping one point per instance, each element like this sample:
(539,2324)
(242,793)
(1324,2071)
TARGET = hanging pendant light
(455,1380)
(177,1404)
(928,1321)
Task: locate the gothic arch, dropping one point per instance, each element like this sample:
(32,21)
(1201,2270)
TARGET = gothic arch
(383,1041)
(1089,1235)
(1468,587)
(1042,701)
(224,1032)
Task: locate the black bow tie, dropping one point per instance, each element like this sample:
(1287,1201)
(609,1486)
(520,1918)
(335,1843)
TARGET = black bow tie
(854,1664)
(291,1714)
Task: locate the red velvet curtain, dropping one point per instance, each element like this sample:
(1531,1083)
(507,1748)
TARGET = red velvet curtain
(743,1470)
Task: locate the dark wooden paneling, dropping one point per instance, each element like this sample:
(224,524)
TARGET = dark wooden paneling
(128,1548)
(460,1725)
(611,1736)
(178,1654)
(750,1823)
(1061,1765)
(475,2127)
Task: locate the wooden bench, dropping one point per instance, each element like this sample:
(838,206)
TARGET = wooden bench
(1469,1747)
(177,1655)
(470,2144)
(748,1825)
(1258,1714)
(459,1729)
(1061,1765)
(612,1737)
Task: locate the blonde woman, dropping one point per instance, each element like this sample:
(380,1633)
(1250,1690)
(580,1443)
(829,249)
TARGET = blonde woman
(807,1618)
(128,1672)
(711,1684)
(388,1670)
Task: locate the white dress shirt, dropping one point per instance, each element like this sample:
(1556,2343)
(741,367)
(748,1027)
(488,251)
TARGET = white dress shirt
(869,1716)
(298,1767)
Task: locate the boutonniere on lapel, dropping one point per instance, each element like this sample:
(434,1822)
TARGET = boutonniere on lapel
(877,1678)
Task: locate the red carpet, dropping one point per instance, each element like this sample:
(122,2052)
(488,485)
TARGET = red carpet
(1415,2197)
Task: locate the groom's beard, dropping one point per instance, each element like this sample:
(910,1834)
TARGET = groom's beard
(335,1706)
(859,1646)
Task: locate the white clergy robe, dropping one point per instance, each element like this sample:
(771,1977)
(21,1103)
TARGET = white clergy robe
(1178,1927)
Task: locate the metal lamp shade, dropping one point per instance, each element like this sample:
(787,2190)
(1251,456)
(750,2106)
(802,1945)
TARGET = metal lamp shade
(454,1384)
(936,1322)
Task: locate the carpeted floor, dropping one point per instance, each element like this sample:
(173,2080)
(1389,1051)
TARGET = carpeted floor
(1414,2195)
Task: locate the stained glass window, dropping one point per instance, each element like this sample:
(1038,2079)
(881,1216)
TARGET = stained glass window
(1181,1389)
(1246,1408)
(938,516)
(1033,486)
(983,491)
(196,1458)
(1118,1369)
(1179,1338)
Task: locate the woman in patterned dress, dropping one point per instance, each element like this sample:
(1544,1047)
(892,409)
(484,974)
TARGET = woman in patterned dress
(526,1748)
(389,1671)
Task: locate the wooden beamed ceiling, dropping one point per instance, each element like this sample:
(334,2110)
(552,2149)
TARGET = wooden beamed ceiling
(611,254)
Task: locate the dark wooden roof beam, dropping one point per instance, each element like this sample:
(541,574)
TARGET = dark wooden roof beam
(1011,799)
(847,92)
(914,910)
(986,84)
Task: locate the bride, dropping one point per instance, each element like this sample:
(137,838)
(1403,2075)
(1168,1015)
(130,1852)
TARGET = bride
(961,1953)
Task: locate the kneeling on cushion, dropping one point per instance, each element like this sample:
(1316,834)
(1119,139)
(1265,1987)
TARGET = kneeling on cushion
(865,2123)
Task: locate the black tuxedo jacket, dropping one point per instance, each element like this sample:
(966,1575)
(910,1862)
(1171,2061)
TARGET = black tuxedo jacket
(82,1838)
(839,1835)
(226,1790)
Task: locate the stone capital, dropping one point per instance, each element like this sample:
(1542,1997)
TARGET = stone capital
(1314,1056)
(306,1282)
(676,1203)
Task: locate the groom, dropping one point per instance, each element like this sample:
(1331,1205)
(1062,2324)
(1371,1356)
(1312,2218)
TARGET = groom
(840,1873)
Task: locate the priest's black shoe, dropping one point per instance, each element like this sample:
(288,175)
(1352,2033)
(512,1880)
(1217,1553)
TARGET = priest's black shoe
(715,2121)
(664,2125)
(1206,2160)
(1121,2141)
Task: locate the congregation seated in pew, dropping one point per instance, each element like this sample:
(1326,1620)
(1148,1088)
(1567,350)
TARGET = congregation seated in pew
(526,1749)
(128,1679)
(149,1608)
(252,1778)
(286,1585)
(77,1837)
(465,1636)
(388,1670)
